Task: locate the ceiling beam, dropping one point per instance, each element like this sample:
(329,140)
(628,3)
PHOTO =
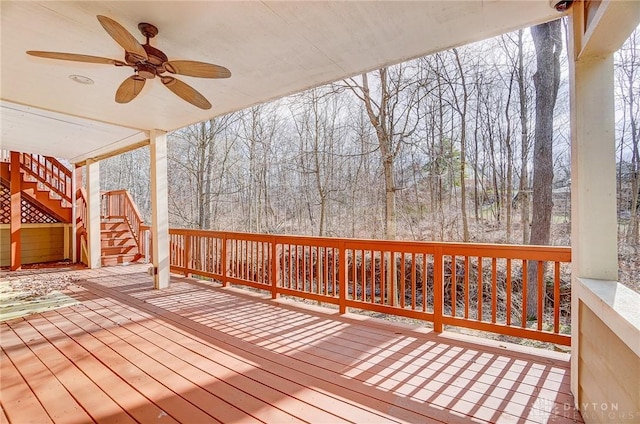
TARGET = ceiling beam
(602,26)
(113,153)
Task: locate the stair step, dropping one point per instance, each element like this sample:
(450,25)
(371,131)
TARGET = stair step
(118,245)
(114,226)
(119,250)
(117,242)
(110,260)
(111,234)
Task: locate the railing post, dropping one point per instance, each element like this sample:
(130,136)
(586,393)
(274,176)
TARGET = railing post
(187,255)
(344,273)
(438,285)
(147,245)
(224,260)
(274,275)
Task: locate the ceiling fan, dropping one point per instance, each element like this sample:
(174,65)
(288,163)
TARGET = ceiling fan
(148,62)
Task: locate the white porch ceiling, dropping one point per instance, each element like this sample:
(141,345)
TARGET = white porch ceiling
(272,49)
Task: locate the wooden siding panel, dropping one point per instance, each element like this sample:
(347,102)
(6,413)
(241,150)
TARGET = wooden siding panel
(5,245)
(608,370)
(40,243)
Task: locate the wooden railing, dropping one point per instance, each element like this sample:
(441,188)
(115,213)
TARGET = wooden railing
(118,204)
(49,174)
(478,286)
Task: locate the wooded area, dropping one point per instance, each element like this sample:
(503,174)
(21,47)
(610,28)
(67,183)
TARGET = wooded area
(439,148)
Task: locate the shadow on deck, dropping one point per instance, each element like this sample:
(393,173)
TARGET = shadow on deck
(200,353)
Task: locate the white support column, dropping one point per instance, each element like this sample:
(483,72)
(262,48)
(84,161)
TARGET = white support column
(593,171)
(594,235)
(74,214)
(93,213)
(597,30)
(160,209)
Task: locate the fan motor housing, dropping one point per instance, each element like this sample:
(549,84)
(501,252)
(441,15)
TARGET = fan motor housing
(156,56)
(151,67)
(146,70)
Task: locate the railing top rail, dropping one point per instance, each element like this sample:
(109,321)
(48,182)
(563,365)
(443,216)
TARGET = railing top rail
(112,192)
(528,252)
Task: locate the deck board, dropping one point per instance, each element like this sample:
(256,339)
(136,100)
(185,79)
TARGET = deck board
(93,400)
(18,396)
(51,393)
(129,399)
(198,367)
(200,353)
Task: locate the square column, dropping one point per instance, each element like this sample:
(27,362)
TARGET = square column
(594,232)
(599,326)
(94,244)
(160,208)
(16,212)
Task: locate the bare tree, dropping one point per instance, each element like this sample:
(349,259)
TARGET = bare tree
(316,118)
(523,188)
(462,110)
(390,111)
(195,156)
(547,39)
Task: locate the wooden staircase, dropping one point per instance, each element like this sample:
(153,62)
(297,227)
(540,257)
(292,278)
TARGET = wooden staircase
(45,183)
(46,195)
(119,246)
(121,229)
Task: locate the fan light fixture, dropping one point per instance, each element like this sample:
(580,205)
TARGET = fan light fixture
(81,79)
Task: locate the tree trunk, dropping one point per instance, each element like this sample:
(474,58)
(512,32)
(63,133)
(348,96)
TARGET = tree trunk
(523,189)
(548,44)
(509,183)
(463,145)
(386,150)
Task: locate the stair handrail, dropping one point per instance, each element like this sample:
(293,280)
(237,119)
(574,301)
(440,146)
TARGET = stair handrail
(120,204)
(48,171)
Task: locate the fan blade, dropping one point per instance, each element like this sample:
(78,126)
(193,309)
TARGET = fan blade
(192,68)
(75,57)
(123,37)
(129,89)
(186,92)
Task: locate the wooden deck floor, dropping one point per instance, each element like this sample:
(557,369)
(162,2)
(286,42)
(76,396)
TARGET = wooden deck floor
(196,353)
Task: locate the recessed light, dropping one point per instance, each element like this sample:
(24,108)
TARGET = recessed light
(81,79)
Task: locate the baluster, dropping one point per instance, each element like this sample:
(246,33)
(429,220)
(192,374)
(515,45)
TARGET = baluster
(494,289)
(508,291)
